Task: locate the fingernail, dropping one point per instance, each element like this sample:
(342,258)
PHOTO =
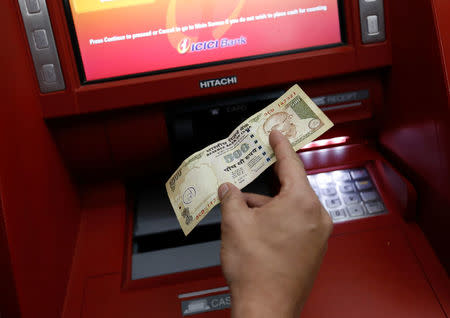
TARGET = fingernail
(223,189)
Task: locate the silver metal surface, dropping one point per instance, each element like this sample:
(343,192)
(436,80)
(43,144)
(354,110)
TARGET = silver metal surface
(371,14)
(203,292)
(42,45)
(343,106)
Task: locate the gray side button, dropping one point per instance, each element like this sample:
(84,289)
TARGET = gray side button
(33,6)
(48,72)
(372,21)
(42,45)
(40,39)
(372,25)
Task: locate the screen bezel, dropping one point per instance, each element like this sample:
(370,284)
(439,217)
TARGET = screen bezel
(84,81)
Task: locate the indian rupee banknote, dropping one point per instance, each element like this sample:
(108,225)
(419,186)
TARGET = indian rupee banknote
(243,156)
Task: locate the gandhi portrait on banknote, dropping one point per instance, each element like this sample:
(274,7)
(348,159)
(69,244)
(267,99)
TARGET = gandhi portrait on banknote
(289,124)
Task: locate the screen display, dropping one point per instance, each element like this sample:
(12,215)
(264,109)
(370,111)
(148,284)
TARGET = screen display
(126,37)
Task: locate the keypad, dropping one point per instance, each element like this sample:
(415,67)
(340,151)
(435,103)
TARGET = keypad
(347,194)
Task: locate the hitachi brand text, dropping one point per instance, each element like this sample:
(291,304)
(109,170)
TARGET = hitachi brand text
(229,80)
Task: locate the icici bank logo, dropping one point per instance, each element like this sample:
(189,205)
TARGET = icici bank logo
(184,45)
(182,41)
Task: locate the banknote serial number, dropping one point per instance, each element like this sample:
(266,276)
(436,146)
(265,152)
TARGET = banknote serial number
(269,112)
(281,103)
(287,99)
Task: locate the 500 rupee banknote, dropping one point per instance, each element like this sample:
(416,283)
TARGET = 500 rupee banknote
(243,156)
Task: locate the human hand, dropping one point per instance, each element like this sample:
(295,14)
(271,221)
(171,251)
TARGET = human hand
(272,248)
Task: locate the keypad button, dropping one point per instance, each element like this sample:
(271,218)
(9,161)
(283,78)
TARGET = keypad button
(33,6)
(372,25)
(374,207)
(40,39)
(363,185)
(341,176)
(355,210)
(351,198)
(346,188)
(333,203)
(369,196)
(328,191)
(324,178)
(48,72)
(338,214)
(359,174)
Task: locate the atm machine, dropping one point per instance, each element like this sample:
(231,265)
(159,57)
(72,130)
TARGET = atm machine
(102,100)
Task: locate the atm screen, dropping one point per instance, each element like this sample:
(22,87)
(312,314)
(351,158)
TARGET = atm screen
(117,38)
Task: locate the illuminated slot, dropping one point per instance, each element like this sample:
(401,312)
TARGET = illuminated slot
(327,142)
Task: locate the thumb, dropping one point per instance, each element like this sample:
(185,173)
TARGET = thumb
(231,198)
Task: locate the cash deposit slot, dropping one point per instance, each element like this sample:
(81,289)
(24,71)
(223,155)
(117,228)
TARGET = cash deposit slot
(101,101)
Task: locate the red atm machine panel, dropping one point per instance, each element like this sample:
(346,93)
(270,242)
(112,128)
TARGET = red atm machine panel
(101,100)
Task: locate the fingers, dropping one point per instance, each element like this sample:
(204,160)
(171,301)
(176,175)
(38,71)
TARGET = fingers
(289,167)
(256,200)
(232,199)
